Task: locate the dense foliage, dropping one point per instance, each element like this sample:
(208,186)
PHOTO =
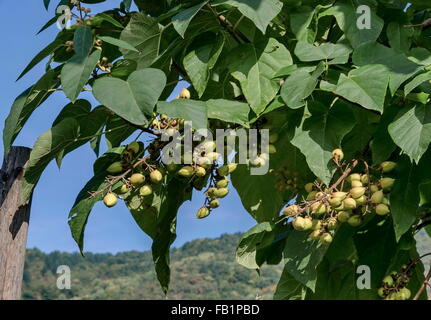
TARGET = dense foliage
(201,269)
(346,104)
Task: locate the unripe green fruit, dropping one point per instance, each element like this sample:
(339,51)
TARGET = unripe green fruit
(338,154)
(354,221)
(171,167)
(272,149)
(320,195)
(405,293)
(334,202)
(388,280)
(382,209)
(258,162)
(340,195)
(156,176)
(387,166)
(222,183)
(343,216)
(318,208)
(137,179)
(186,171)
(211,193)
(381,292)
(374,188)
(354,176)
(311,195)
(308,223)
(184,94)
(115,168)
(357,192)
(349,203)
(123,189)
(134,147)
(273,138)
(385,201)
(145,190)
(356,183)
(377,197)
(364,179)
(200,172)
(340,207)
(316,224)
(315,235)
(110,200)
(326,238)
(232,167)
(291,210)
(299,224)
(164,117)
(223,171)
(332,223)
(309,187)
(214,204)
(221,192)
(387,183)
(209,146)
(203,213)
(361,200)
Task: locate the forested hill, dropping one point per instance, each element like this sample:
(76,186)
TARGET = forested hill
(201,269)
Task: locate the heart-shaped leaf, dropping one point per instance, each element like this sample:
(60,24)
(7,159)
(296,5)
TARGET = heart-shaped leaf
(133,99)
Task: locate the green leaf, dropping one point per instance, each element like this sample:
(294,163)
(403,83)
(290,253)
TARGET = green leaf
(201,59)
(229,111)
(46,3)
(82,41)
(25,104)
(299,86)
(321,133)
(382,145)
(366,86)
(404,197)
(411,130)
(47,146)
(133,99)
(143,33)
(399,37)
(182,20)
(84,203)
(110,19)
(254,66)
(300,24)
(416,82)
(288,288)
(307,52)
(261,12)
(396,64)
(257,237)
(346,16)
(75,74)
(119,43)
(114,136)
(189,110)
(302,256)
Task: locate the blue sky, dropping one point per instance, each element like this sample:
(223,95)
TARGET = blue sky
(108,230)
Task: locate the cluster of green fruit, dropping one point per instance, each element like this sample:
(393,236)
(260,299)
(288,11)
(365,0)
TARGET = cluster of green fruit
(394,286)
(360,194)
(218,189)
(143,177)
(287,180)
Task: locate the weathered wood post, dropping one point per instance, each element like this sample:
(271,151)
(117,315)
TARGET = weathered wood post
(14,221)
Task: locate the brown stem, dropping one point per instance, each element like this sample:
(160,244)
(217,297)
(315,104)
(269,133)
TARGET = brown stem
(424,284)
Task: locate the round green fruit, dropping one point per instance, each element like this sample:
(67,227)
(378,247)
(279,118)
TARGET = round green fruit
(222,183)
(200,172)
(387,166)
(110,200)
(214,204)
(272,149)
(221,192)
(332,223)
(137,179)
(299,224)
(388,281)
(309,187)
(156,176)
(357,192)
(145,190)
(387,183)
(134,147)
(382,209)
(354,221)
(377,197)
(315,235)
(349,203)
(343,216)
(291,210)
(203,213)
(308,223)
(326,238)
(186,171)
(338,154)
(273,138)
(115,168)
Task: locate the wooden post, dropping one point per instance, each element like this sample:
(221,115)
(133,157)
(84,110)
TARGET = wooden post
(14,221)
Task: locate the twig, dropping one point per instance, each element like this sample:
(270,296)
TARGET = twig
(424,284)
(425,24)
